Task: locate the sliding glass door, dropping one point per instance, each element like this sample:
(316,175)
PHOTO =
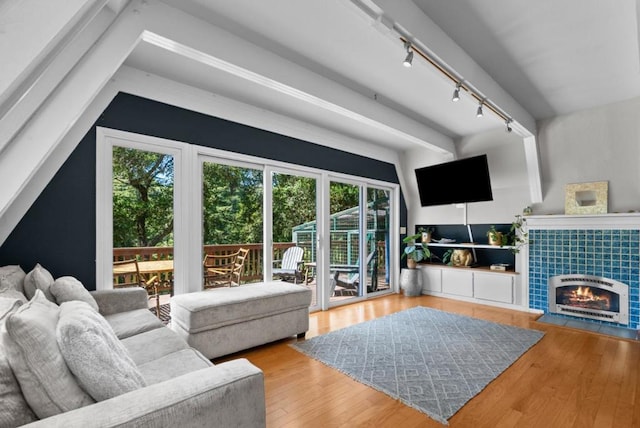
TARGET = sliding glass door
(294,228)
(148,209)
(232,222)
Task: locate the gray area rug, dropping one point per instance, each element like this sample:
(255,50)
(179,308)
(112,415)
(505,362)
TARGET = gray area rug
(431,360)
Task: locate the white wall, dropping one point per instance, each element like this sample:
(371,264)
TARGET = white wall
(601,144)
(509,181)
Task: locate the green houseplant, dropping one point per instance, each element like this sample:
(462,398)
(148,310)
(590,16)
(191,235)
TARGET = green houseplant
(516,238)
(414,253)
(496,238)
(426,233)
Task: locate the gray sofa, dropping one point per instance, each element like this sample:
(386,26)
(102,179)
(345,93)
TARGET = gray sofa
(173,384)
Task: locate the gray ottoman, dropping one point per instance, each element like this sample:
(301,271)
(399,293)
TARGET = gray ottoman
(226,320)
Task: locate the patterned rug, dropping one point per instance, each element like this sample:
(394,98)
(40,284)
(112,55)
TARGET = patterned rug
(431,360)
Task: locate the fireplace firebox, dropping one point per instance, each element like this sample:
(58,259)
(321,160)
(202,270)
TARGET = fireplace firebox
(588,296)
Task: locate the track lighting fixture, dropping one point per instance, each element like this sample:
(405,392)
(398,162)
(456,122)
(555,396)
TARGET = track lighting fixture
(409,59)
(456,92)
(460,82)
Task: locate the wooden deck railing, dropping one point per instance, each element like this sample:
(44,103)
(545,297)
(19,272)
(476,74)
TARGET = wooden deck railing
(252,269)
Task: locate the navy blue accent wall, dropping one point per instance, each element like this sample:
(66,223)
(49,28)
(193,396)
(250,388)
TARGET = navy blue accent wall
(59,229)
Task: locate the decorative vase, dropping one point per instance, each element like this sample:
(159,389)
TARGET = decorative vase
(461,258)
(411,263)
(411,282)
(495,238)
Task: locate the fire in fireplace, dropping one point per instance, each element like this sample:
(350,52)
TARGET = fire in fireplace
(588,296)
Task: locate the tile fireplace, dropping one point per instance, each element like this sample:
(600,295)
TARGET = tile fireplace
(585,267)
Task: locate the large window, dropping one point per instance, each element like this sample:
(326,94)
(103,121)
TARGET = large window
(161,200)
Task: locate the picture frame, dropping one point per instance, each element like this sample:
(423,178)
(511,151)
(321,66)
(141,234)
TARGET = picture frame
(586,198)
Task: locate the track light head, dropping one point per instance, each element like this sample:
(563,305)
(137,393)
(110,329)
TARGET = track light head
(507,124)
(456,93)
(409,59)
(479,111)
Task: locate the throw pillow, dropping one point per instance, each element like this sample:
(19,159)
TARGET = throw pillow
(94,354)
(14,295)
(11,278)
(30,342)
(14,410)
(68,288)
(38,279)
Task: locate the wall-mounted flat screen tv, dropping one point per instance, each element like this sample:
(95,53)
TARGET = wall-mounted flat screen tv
(455,182)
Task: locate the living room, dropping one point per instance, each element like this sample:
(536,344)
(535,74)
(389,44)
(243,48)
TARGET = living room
(122,64)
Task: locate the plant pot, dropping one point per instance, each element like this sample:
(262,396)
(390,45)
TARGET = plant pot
(495,238)
(426,237)
(411,264)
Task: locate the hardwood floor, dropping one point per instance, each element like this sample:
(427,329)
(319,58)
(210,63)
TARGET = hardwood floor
(570,379)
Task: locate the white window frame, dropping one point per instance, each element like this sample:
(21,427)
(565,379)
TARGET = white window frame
(188,243)
(106,138)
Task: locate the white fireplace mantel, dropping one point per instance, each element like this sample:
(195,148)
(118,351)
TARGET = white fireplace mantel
(584,221)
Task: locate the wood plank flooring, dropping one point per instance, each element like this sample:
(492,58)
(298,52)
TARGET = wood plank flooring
(570,379)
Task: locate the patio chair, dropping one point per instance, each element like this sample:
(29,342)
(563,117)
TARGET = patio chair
(218,269)
(290,265)
(224,269)
(127,274)
(352,281)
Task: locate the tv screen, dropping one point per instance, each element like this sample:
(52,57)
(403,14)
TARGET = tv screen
(458,181)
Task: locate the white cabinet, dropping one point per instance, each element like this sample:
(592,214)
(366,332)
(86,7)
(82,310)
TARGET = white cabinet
(458,282)
(494,287)
(431,280)
(474,285)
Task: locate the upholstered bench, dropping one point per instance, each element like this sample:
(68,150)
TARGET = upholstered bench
(226,320)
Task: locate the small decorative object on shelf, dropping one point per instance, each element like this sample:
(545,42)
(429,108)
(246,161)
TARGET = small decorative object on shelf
(495,237)
(499,266)
(426,234)
(457,257)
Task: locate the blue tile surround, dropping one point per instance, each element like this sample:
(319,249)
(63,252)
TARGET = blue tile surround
(613,254)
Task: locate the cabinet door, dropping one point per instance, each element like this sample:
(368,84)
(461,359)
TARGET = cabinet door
(458,282)
(495,287)
(431,280)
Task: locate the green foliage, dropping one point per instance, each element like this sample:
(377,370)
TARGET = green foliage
(231,204)
(413,251)
(142,198)
(446,257)
(294,203)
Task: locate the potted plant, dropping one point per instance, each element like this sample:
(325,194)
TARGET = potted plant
(426,233)
(519,236)
(516,238)
(495,237)
(413,253)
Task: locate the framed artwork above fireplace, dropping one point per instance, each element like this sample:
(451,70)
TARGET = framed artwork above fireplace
(586,198)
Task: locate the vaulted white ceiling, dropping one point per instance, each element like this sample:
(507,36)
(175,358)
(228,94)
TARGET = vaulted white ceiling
(333,65)
(533,59)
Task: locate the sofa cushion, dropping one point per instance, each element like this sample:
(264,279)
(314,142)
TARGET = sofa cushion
(30,340)
(68,288)
(38,279)
(94,354)
(173,365)
(206,310)
(14,410)
(11,278)
(126,324)
(153,344)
